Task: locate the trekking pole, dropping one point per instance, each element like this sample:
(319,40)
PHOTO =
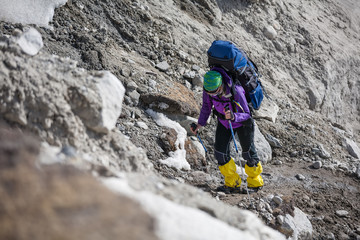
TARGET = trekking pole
(193,127)
(237,151)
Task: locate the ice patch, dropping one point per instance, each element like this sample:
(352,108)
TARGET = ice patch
(39,12)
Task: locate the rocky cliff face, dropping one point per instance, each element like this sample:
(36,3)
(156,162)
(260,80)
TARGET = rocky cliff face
(85,84)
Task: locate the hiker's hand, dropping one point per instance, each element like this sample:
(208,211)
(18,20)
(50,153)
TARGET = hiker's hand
(229,115)
(195,128)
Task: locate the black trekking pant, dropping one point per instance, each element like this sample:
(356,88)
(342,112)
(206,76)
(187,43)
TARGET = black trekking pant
(223,138)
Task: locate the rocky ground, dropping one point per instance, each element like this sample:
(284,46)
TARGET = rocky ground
(158,51)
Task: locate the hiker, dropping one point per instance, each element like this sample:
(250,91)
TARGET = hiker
(217,92)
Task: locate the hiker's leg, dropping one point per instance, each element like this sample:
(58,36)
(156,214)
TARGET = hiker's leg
(227,165)
(253,167)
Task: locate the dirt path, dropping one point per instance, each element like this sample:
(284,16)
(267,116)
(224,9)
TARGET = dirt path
(319,195)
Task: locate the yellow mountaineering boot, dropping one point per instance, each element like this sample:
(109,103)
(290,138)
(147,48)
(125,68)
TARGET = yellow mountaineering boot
(254,179)
(232,179)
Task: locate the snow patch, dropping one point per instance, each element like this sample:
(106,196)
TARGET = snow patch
(39,12)
(177,159)
(177,222)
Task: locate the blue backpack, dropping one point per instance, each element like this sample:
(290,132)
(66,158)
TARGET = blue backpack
(240,68)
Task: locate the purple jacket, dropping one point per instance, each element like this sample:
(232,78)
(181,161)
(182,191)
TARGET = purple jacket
(241,113)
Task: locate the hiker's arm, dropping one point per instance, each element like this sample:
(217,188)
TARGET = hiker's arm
(205,109)
(244,112)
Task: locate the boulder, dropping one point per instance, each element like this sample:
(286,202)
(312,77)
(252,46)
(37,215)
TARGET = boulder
(297,227)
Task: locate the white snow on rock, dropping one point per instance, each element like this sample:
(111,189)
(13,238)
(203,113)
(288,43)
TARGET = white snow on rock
(39,12)
(30,42)
(112,93)
(177,159)
(177,222)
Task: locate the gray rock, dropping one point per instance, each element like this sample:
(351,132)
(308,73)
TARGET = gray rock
(268,110)
(189,74)
(358,171)
(278,200)
(195,68)
(141,125)
(352,148)
(323,153)
(278,46)
(30,42)
(300,177)
(106,93)
(131,86)
(270,32)
(317,164)
(274,142)
(342,213)
(135,96)
(163,66)
(197,81)
(297,227)
(262,146)
(278,162)
(152,83)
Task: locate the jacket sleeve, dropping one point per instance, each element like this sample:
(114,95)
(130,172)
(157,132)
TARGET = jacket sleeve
(244,112)
(205,109)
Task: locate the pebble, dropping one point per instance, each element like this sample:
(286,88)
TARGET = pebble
(189,74)
(221,194)
(277,162)
(317,164)
(342,213)
(300,177)
(278,200)
(30,42)
(270,32)
(293,154)
(274,142)
(152,83)
(142,125)
(132,86)
(163,66)
(195,68)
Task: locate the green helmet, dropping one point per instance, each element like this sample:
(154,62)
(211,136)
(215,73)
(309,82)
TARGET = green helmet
(212,81)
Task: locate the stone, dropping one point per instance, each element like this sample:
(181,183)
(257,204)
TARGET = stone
(317,165)
(278,200)
(197,81)
(189,74)
(352,148)
(357,171)
(342,213)
(268,110)
(323,153)
(262,146)
(107,93)
(141,125)
(297,227)
(131,86)
(274,142)
(30,42)
(270,32)
(163,66)
(300,177)
(134,96)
